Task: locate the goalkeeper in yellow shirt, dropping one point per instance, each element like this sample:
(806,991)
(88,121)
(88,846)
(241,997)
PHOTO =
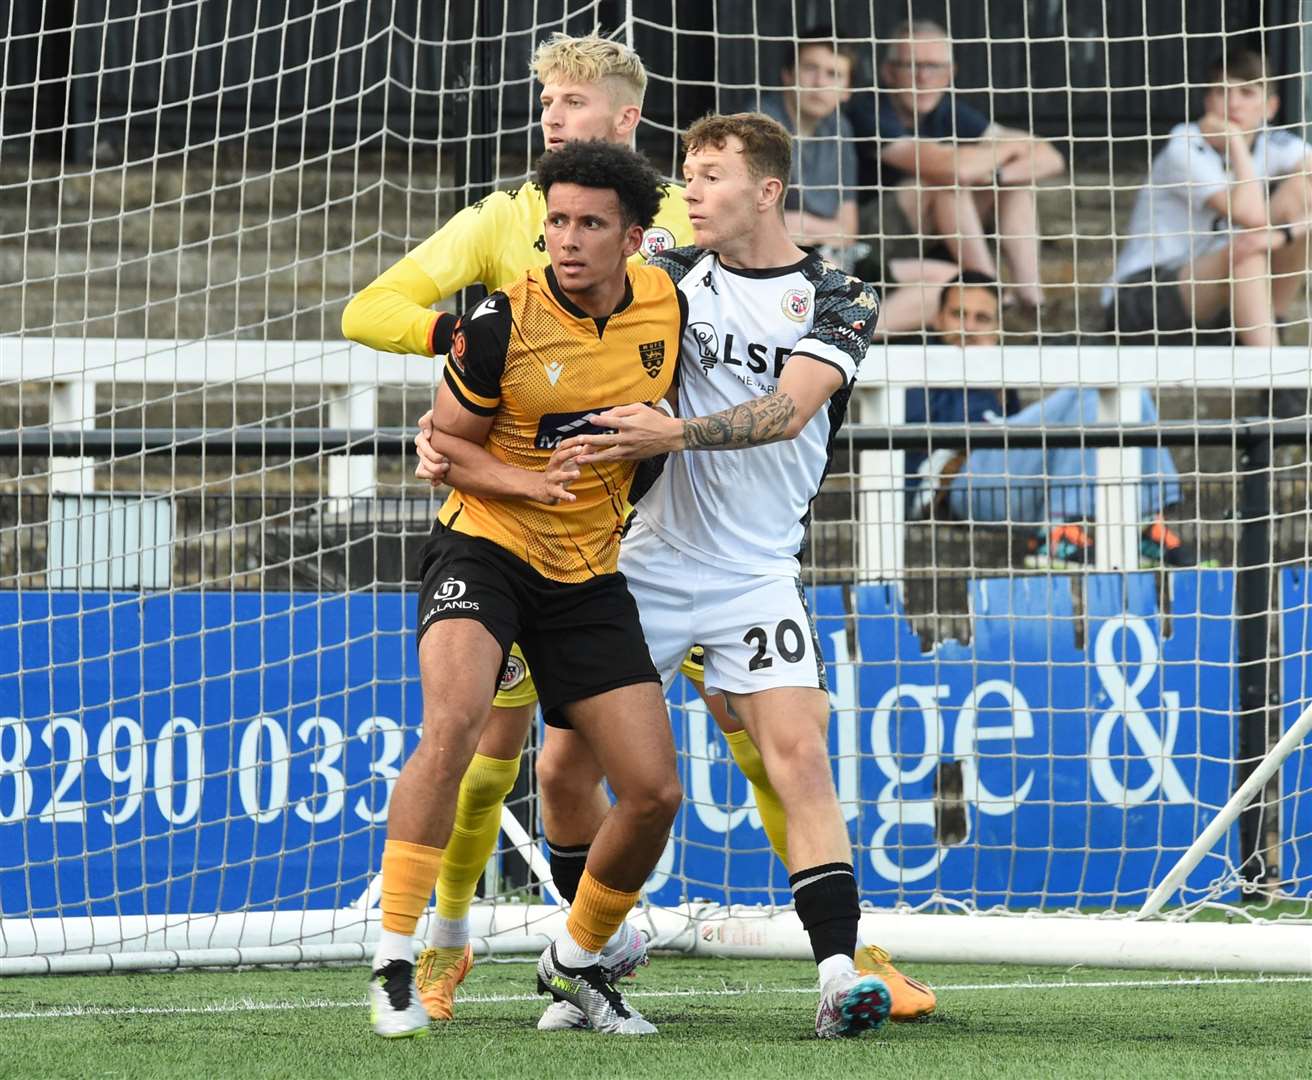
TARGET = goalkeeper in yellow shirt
(592,88)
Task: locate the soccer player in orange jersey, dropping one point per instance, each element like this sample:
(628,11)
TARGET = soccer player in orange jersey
(525,550)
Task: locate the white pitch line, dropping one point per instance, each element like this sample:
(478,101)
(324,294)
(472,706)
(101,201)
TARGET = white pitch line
(244,1005)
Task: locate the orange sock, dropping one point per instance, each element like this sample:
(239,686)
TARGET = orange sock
(597,912)
(409,874)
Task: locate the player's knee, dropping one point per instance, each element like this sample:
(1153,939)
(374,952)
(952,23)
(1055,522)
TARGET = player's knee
(800,756)
(654,805)
(488,781)
(559,779)
(447,744)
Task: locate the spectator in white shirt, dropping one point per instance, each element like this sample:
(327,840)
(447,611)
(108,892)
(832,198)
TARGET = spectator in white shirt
(1218,237)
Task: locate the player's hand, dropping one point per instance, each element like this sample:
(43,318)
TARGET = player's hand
(431,466)
(636,432)
(562,470)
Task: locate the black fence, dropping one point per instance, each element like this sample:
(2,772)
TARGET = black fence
(146,77)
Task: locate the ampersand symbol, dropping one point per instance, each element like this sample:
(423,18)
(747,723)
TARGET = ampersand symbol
(1126,706)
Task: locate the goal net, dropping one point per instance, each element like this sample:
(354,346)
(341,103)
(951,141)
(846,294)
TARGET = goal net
(1070,677)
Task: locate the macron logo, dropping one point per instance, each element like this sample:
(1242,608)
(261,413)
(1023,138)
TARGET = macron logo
(553,371)
(484,308)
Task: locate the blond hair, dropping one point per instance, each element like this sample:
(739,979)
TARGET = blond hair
(592,59)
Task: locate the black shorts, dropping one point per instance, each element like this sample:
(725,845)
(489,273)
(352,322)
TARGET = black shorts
(579,639)
(1151,302)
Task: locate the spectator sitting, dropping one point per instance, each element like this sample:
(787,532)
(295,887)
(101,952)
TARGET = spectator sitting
(820,206)
(1218,237)
(1050,489)
(952,170)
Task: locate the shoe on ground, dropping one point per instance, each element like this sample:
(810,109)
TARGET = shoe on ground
(1064,547)
(1160,545)
(852,1004)
(562,1016)
(394,1006)
(911,999)
(437,975)
(624,959)
(589,991)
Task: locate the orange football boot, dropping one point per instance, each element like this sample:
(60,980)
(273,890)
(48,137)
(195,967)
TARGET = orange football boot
(911,999)
(437,975)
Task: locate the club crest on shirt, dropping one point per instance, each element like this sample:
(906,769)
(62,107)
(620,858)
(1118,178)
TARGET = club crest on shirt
(708,344)
(796,304)
(653,357)
(655,240)
(512,674)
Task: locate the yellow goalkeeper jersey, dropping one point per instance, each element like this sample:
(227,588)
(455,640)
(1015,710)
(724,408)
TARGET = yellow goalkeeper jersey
(492,242)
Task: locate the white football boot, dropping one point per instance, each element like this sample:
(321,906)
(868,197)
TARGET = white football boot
(588,990)
(852,1003)
(395,1009)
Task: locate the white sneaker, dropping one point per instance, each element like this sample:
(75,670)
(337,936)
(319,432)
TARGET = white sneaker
(852,1003)
(395,1009)
(588,990)
(622,960)
(562,1016)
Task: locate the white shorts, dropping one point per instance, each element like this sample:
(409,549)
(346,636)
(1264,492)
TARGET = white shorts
(755,628)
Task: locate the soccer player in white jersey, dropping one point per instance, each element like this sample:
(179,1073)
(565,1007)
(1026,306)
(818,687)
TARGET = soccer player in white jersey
(771,349)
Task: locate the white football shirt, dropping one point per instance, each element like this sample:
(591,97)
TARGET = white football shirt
(746,510)
(1171,224)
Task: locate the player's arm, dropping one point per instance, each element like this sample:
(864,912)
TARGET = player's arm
(460,436)
(822,362)
(640,432)
(394,312)
(465,407)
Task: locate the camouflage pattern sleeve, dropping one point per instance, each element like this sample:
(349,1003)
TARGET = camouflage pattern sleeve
(845,313)
(676,262)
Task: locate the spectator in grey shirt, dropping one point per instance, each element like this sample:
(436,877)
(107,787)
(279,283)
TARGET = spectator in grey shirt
(820,206)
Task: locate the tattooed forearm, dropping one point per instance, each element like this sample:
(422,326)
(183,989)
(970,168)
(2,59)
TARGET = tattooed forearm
(762,420)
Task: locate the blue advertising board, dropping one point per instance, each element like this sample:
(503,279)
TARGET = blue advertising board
(225,751)
(1295,868)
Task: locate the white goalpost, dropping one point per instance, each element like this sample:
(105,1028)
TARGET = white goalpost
(208,680)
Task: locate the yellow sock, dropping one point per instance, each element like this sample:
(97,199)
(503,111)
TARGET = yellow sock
(768,805)
(597,912)
(409,873)
(486,784)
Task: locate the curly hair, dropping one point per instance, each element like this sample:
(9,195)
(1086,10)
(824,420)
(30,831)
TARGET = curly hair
(597,164)
(767,146)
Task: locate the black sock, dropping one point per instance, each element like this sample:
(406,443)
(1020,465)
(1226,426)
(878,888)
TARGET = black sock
(826,902)
(567,865)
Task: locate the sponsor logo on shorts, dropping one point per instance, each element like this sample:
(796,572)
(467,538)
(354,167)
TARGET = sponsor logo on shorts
(653,357)
(655,240)
(449,597)
(796,304)
(450,589)
(513,673)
